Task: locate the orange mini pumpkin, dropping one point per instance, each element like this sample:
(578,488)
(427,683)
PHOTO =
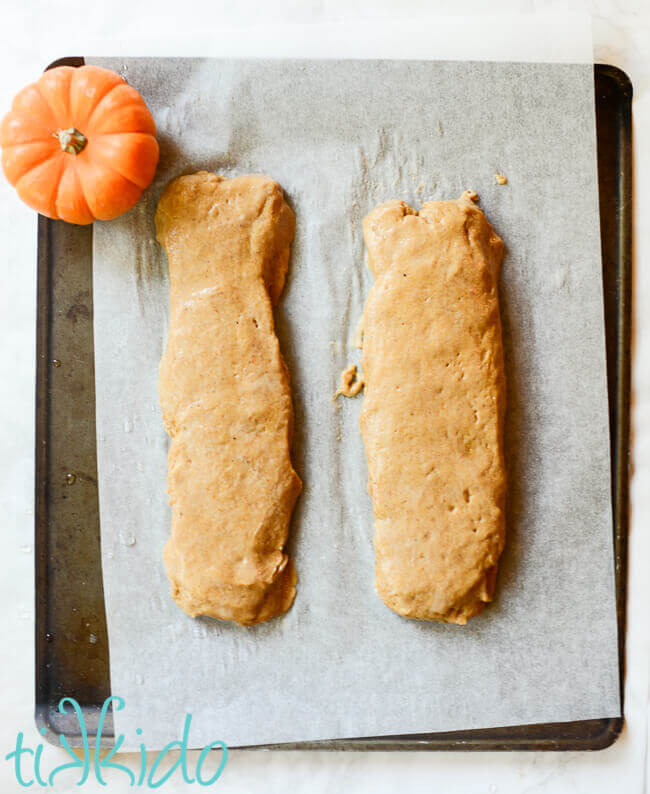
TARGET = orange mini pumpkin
(79,144)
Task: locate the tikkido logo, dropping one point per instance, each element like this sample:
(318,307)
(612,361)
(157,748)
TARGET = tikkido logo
(27,761)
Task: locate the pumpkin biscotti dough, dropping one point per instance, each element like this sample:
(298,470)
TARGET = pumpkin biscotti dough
(224,394)
(433,412)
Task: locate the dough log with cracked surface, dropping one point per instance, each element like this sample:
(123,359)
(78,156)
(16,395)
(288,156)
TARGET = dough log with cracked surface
(433,412)
(225,399)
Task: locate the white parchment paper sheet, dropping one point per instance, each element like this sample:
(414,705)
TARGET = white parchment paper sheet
(342,136)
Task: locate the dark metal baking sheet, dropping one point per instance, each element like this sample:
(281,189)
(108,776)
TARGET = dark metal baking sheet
(71,636)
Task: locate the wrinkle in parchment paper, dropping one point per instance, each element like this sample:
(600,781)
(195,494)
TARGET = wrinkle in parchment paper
(342,136)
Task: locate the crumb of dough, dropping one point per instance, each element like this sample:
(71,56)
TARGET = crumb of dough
(350,384)
(500,179)
(469,195)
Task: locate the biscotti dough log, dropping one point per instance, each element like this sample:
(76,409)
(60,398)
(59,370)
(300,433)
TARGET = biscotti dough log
(432,418)
(224,394)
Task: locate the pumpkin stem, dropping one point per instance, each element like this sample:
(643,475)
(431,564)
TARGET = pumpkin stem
(71,140)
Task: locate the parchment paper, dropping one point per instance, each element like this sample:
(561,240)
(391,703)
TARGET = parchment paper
(342,136)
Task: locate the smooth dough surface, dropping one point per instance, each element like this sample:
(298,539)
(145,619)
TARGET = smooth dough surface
(225,399)
(433,412)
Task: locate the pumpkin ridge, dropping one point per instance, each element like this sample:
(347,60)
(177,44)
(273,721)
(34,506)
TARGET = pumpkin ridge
(23,106)
(55,187)
(38,163)
(94,208)
(79,186)
(56,94)
(112,168)
(101,159)
(98,102)
(135,104)
(82,188)
(90,121)
(40,141)
(47,102)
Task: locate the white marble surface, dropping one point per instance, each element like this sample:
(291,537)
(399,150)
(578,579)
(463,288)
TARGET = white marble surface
(38,31)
